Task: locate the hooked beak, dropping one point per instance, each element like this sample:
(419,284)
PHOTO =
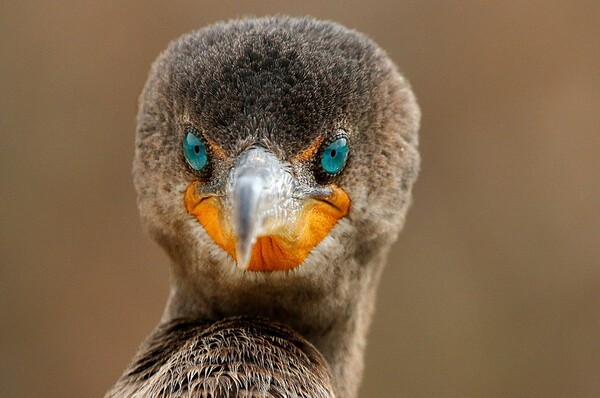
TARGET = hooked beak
(267,220)
(264,198)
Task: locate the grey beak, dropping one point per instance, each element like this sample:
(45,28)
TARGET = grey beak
(263,197)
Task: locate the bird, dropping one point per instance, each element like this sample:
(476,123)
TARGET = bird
(274,163)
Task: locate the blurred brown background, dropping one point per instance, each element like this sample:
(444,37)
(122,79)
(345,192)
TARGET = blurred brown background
(493,289)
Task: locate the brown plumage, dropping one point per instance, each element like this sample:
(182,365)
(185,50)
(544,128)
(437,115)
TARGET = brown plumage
(235,357)
(258,102)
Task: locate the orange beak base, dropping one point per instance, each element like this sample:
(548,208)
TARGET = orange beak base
(283,250)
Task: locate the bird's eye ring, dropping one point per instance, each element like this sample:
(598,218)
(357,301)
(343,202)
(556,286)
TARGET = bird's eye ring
(334,155)
(194,150)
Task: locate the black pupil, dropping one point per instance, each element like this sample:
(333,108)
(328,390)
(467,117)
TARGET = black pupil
(333,153)
(197,148)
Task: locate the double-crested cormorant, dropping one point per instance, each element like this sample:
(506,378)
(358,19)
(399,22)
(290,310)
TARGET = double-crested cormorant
(274,163)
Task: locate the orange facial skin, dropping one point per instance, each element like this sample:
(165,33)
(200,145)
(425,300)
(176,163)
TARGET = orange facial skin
(277,252)
(309,153)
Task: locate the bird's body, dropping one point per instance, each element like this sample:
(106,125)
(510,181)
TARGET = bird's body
(274,163)
(239,356)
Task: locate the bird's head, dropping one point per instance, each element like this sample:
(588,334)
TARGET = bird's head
(275,149)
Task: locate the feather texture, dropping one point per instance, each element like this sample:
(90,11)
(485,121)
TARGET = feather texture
(235,357)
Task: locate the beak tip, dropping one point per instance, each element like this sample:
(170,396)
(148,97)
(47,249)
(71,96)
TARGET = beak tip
(242,255)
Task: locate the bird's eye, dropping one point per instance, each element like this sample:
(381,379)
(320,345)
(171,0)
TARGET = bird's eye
(194,151)
(334,157)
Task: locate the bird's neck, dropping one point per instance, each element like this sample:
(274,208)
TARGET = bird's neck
(336,321)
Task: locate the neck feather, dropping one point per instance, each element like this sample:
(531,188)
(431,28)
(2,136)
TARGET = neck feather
(335,321)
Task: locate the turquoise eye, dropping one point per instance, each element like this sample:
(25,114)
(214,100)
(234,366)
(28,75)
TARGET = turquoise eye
(335,155)
(195,152)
